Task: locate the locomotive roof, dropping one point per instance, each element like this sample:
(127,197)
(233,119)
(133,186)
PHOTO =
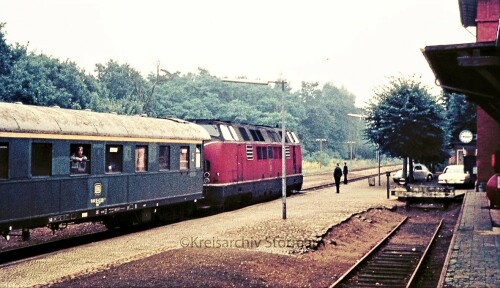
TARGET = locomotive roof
(227,122)
(39,122)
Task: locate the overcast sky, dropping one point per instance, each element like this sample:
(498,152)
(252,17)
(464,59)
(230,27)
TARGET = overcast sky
(354,44)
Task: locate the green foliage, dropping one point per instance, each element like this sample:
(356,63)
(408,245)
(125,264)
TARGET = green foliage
(460,113)
(124,85)
(325,116)
(405,121)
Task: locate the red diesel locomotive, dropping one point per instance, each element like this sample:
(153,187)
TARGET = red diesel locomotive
(243,163)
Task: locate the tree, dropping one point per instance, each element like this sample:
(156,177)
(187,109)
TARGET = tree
(8,57)
(460,113)
(405,121)
(124,85)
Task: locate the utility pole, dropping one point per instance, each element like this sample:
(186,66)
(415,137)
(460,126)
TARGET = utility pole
(350,145)
(320,150)
(283,135)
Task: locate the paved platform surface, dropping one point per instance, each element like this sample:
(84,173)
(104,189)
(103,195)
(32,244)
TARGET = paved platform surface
(474,255)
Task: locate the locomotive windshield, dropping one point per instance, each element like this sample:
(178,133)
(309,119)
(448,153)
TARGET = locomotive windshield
(212,130)
(225,133)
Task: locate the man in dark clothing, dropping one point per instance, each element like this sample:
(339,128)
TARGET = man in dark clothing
(346,170)
(337,173)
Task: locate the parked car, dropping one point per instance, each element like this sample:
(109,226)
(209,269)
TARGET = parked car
(420,173)
(454,175)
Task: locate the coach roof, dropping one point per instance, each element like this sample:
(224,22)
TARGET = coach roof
(20,119)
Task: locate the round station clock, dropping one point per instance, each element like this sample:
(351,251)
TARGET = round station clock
(465,136)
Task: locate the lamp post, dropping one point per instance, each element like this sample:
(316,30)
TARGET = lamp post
(283,135)
(361,117)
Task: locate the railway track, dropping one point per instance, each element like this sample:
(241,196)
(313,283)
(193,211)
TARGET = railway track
(396,260)
(34,248)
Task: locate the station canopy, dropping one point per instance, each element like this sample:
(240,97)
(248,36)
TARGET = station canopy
(472,69)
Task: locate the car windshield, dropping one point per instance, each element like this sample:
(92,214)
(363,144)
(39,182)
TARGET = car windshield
(455,169)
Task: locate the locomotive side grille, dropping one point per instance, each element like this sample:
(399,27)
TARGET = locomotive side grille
(287,152)
(249,149)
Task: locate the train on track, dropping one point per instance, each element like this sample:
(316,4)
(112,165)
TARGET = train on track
(60,166)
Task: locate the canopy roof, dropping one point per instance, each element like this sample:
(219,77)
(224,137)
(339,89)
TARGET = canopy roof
(472,69)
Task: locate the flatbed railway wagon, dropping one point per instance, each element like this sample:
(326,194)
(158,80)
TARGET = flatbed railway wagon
(243,163)
(133,168)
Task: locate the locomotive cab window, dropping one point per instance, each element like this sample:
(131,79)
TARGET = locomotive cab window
(164,157)
(41,159)
(225,133)
(261,152)
(80,159)
(295,138)
(141,158)
(184,158)
(256,135)
(233,133)
(244,134)
(273,136)
(4,160)
(114,158)
(286,138)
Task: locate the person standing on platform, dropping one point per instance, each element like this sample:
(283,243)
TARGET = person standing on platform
(337,173)
(346,170)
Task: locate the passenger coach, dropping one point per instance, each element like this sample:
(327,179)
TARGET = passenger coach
(132,167)
(243,162)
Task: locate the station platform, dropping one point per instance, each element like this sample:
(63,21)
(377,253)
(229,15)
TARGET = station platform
(473,258)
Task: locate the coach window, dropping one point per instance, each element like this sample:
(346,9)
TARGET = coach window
(114,158)
(164,157)
(198,157)
(270,152)
(79,159)
(141,158)
(41,159)
(184,158)
(4,160)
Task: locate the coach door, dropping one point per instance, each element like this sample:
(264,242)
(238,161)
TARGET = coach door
(240,156)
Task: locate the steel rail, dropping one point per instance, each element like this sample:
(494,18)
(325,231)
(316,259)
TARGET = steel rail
(367,255)
(424,255)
